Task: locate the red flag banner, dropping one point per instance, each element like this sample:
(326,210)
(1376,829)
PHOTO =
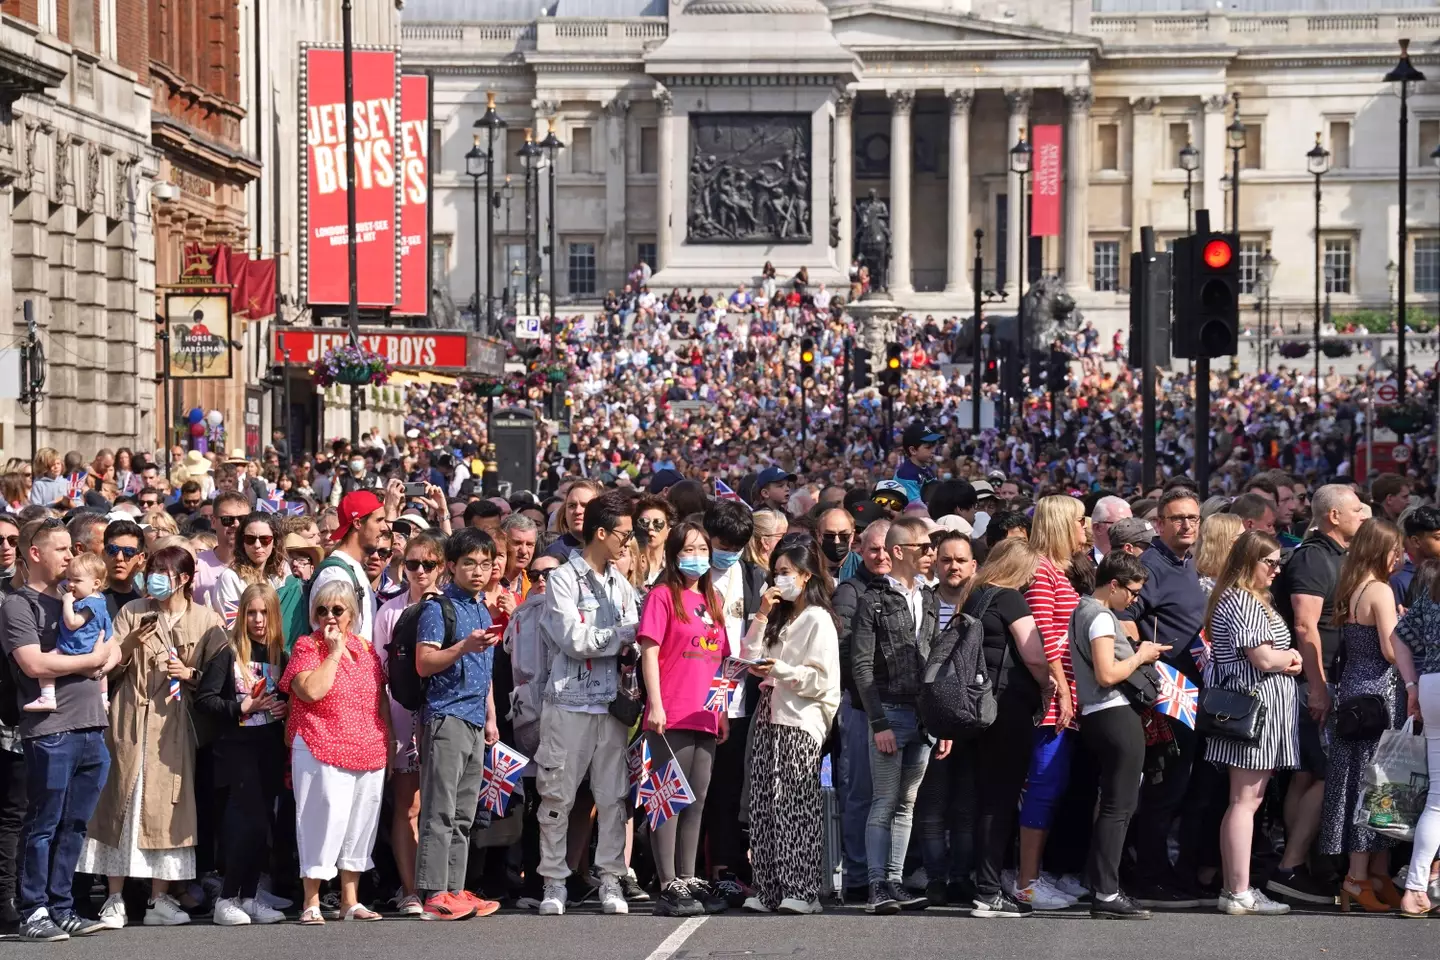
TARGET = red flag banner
(414,299)
(324,274)
(1049,177)
(258,290)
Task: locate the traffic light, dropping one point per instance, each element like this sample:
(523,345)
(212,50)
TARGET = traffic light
(1057,376)
(1037,370)
(860,368)
(992,369)
(891,375)
(1010,369)
(807,362)
(1207,295)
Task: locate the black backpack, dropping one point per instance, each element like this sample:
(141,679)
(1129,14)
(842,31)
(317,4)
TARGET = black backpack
(407,687)
(957,700)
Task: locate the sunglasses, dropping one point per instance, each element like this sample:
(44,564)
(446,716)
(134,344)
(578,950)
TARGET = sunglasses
(11,541)
(228,521)
(336,611)
(415,566)
(538,576)
(258,539)
(382,552)
(652,524)
(1272,564)
(115,550)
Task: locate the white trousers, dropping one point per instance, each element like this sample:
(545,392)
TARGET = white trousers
(337,813)
(1427,831)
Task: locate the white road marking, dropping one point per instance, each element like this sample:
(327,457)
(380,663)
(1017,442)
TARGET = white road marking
(672,944)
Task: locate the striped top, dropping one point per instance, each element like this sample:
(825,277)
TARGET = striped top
(1052,600)
(1242,622)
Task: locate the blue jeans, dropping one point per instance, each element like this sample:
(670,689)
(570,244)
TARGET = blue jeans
(853,789)
(64,774)
(894,781)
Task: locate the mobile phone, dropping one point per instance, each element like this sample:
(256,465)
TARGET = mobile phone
(149,619)
(414,489)
(258,688)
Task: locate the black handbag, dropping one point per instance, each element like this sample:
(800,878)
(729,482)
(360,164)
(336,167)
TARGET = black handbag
(1362,718)
(629,699)
(1233,714)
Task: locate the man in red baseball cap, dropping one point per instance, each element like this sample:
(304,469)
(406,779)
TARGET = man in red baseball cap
(362,525)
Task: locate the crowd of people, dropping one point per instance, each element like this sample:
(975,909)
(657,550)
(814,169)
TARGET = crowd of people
(258,700)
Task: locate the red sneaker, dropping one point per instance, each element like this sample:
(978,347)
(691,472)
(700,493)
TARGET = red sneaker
(483,907)
(446,906)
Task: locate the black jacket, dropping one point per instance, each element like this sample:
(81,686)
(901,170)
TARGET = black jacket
(844,601)
(888,659)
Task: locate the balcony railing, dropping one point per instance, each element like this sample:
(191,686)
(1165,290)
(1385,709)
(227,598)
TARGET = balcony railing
(548,35)
(1145,29)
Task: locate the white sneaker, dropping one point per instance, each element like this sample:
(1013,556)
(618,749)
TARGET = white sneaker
(1250,903)
(796,905)
(1041,897)
(113,913)
(1052,890)
(259,911)
(410,906)
(229,913)
(1068,884)
(612,898)
(552,904)
(753,905)
(165,911)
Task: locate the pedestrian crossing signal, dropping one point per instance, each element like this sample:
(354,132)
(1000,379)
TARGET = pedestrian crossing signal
(807,362)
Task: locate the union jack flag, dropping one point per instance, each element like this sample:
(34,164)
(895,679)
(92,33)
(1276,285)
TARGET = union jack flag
(275,504)
(503,768)
(665,794)
(1200,651)
(723,492)
(637,759)
(1178,695)
(722,685)
(229,610)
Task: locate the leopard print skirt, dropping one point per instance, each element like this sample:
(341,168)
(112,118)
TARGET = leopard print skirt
(786,811)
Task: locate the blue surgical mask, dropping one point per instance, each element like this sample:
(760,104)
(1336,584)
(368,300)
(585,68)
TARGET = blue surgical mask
(694,566)
(158,585)
(722,560)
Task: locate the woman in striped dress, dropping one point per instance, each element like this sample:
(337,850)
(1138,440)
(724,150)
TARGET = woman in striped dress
(1251,651)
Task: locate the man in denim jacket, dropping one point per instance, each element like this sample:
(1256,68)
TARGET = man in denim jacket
(589,616)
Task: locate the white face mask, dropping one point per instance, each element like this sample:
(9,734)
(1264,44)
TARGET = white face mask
(789,587)
(357,466)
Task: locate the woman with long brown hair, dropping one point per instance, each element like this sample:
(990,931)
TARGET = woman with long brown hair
(1251,650)
(1218,533)
(1373,664)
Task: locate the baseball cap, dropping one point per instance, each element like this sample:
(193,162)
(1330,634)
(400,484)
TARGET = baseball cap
(956,523)
(918,433)
(663,480)
(983,490)
(864,513)
(354,506)
(772,475)
(1132,530)
(891,490)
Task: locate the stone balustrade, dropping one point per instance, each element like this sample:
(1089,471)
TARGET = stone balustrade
(547,35)
(1266,29)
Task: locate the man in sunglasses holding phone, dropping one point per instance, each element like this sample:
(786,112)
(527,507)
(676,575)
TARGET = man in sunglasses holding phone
(231,509)
(124,553)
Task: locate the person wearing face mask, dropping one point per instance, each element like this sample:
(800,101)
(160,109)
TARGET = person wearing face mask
(739,587)
(682,644)
(793,636)
(355,476)
(837,532)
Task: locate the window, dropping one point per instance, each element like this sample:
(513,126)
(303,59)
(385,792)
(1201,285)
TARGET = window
(649,149)
(513,262)
(46,17)
(582,269)
(580,159)
(1337,266)
(440,257)
(1251,156)
(645,253)
(1429,140)
(1107,265)
(1250,253)
(1179,136)
(1427,264)
(82,24)
(1339,145)
(514,140)
(1107,146)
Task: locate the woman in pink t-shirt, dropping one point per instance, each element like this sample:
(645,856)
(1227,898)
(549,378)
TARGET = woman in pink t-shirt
(682,642)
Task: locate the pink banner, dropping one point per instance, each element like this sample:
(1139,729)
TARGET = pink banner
(1049,176)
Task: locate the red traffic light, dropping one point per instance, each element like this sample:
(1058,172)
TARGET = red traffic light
(1218,254)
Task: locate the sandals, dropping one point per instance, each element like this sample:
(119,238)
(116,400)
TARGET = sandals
(311,917)
(360,912)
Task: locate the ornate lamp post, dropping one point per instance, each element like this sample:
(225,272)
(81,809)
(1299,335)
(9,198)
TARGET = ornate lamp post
(1404,73)
(477,165)
(529,155)
(552,147)
(1235,139)
(1020,160)
(1317,161)
(490,122)
(1189,162)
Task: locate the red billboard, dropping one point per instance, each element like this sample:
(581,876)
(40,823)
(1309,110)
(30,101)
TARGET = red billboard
(425,350)
(414,299)
(1049,177)
(324,275)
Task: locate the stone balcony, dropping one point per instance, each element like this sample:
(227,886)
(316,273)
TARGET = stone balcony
(550,36)
(1260,30)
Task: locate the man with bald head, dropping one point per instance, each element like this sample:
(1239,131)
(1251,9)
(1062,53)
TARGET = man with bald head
(1107,511)
(836,529)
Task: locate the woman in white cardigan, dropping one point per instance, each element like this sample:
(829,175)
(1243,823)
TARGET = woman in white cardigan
(794,639)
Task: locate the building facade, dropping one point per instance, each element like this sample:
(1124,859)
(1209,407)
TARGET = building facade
(942,89)
(77,247)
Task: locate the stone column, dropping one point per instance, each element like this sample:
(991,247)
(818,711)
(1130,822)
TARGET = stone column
(1144,141)
(844,177)
(902,103)
(664,197)
(1019,101)
(1077,194)
(616,254)
(957,265)
(1214,160)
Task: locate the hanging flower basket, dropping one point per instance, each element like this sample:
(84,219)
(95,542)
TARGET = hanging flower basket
(487,386)
(1337,348)
(554,372)
(352,365)
(1294,349)
(1410,418)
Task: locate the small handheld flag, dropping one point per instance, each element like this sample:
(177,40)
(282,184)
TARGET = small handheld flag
(723,492)
(503,769)
(1199,650)
(174,691)
(1178,695)
(722,686)
(665,794)
(275,504)
(637,759)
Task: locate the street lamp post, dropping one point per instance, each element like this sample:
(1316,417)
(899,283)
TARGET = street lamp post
(1189,162)
(1404,73)
(1266,270)
(352,266)
(1317,161)
(508,192)
(1235,138)
(490,122)
(552,147)
(529,155)
(1020,160)
(476,165)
